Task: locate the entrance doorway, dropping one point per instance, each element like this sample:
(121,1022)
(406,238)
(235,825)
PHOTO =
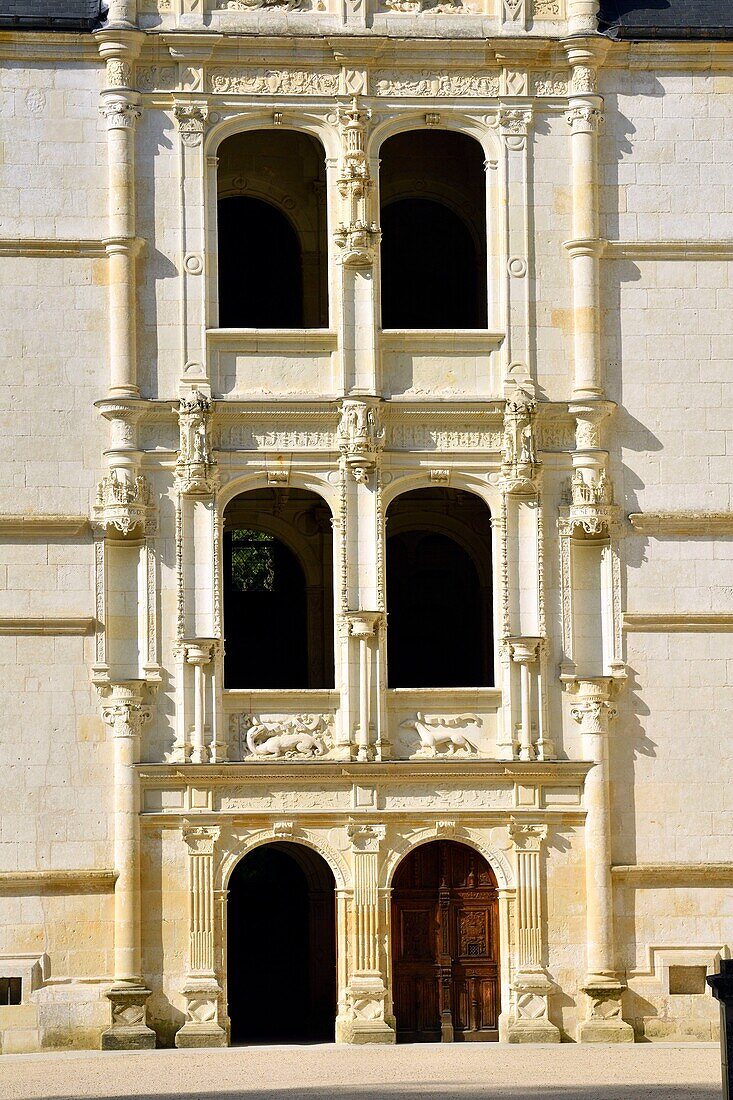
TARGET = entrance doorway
(445,937)
(281,947)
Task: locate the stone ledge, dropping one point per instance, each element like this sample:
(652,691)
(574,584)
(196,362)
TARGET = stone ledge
(675,874)
(47,625)
(43,526)
(58,882)
(676,623)
(682,523)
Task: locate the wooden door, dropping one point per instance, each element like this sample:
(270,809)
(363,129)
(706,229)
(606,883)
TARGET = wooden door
(445,936)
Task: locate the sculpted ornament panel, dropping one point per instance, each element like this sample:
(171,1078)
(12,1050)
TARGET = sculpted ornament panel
(274,82)
(441,735)
(550,84)
(442,83)
(283,736)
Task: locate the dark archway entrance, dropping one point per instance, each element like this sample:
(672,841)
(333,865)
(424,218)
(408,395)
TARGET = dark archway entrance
(445,945)
(439,628)
(281,947)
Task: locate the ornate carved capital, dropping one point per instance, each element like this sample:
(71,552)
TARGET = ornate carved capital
(125,502)
(519,461)
(200,839)
(191,119)
(514,123)
(196,471)
(524,651)
(363,624)
(585,119)
(121,114)
(124,710)
(526,837)
(593,709)
(360,436)
(364,837)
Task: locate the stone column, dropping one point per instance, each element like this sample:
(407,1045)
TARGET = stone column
(125,713)
(122,13)
(514,127)
(585,117)
(121,110)
(529,1023)
(202,990)
(593,709)
(365,1016)
(524,653)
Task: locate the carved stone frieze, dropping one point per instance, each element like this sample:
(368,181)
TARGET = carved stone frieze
(264,81)
(288,737)
(442,735)
(441,83)
(550,84)
(434,7)
(546,9)
(157,78)
(429,437)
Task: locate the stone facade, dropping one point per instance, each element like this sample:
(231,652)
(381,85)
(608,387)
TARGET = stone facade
(591,416)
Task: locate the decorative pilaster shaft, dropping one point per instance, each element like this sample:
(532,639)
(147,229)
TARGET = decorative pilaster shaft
(120,107)
(201,991)
(585,117)
(125,714)
(593,709)
(365,1009)
(529,1022)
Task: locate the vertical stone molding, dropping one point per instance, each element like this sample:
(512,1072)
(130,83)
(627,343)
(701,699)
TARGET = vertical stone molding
(201,990)
(201,654)
(514,125)
(593,709)
(529,1022)
(125,712)
(367,992)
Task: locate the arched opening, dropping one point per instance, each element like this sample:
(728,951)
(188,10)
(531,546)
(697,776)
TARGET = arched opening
(281,946)
(433,219)
(445,945)
(273,263)
(278,590)
(439,596)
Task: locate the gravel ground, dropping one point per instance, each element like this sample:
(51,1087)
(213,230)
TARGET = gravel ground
(432,1072)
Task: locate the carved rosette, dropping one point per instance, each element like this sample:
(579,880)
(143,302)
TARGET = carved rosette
(357,236)
(196,471)
(360,437)
(125,503)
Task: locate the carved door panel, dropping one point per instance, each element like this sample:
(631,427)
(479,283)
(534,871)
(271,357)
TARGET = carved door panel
(445,946)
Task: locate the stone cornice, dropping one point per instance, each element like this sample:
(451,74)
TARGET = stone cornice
(661,622)
(43,526)
(58,882)
(46,625)
(668,250)
(682,523)
(547,771)
(675,874)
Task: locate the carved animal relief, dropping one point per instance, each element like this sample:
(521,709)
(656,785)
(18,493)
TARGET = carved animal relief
(288,737)
(444,735)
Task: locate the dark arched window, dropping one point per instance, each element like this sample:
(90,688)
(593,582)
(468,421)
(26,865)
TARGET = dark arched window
(271,231)
(439,626)
(260,266)
(278,591)
(433,219)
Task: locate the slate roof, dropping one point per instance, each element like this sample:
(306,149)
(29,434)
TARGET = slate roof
(53,15)
(666,19)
